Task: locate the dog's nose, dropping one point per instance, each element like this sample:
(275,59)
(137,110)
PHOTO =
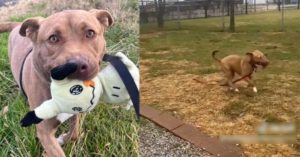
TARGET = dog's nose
(85,70)
(83,67)
(265,64)
(74,69)
(82,70)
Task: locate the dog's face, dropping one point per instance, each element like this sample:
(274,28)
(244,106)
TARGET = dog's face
(73,36)
(258,58)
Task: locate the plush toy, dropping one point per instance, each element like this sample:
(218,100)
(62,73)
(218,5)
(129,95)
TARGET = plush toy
(76,96)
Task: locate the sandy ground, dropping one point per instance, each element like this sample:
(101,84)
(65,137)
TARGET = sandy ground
(200,101)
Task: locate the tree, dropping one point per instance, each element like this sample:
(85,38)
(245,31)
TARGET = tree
(160,10)
(232,21)
(246,3)
(278,2)
(143,13)
(282,17)
(223,19)
(254,5)
(206,7)
(227,6)
(298,4)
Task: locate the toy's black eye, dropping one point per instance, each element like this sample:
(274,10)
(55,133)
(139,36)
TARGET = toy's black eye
(53,39)
(90,33)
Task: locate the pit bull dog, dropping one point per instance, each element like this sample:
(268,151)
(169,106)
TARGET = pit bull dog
(243,66)
(39,44)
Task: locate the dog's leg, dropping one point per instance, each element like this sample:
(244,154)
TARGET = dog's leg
(251,84)
(46,134)
(232,86)
(229,78)
(224,83)
(73,133)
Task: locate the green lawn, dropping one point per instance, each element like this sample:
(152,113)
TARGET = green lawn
(185,51)
(196,39)
(107,131)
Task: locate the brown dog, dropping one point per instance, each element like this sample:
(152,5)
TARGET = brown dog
(73,36)
(243,66)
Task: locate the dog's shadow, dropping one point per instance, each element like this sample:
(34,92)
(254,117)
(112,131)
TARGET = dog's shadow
(247,92)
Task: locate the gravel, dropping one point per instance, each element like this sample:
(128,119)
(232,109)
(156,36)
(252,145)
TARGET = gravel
(157,142)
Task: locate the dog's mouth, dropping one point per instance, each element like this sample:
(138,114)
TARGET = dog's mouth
(74,71)
(84,76)
(263,64)
(62,71)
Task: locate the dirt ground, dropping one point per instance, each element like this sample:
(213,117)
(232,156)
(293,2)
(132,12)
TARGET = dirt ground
(202,102)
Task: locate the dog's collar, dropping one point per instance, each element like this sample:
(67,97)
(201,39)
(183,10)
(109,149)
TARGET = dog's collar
(21,73)
(254,67)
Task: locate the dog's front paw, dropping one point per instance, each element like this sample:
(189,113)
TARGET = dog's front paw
(29,119)
(234,89)
(254,89)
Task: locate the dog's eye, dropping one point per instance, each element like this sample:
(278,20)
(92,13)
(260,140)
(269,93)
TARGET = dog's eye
(90,34)
(53,39)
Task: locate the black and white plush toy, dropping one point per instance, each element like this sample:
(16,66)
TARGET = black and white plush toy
(76,96)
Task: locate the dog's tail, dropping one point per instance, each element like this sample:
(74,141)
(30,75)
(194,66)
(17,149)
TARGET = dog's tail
(8,26)
(214,56)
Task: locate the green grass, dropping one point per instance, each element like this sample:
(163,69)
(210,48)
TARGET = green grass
(106,131)
(200,37)
(278,85)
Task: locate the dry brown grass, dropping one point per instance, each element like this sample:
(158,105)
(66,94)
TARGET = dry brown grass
(119,9)
(200,101)
(123,11)
(15,10)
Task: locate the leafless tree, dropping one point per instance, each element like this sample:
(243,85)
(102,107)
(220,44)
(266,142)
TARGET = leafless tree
(223,18)
(254,5)
(282,17)
(206,7)
(228,6)
(143,13)
(232,20)
(246,7)
(278,2)
(160,10)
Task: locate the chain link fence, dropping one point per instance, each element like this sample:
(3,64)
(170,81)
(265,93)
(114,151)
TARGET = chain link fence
(191,9)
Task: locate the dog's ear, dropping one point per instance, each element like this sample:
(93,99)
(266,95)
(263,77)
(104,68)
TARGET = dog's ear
(103,16)
(249,54)
(30,27)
